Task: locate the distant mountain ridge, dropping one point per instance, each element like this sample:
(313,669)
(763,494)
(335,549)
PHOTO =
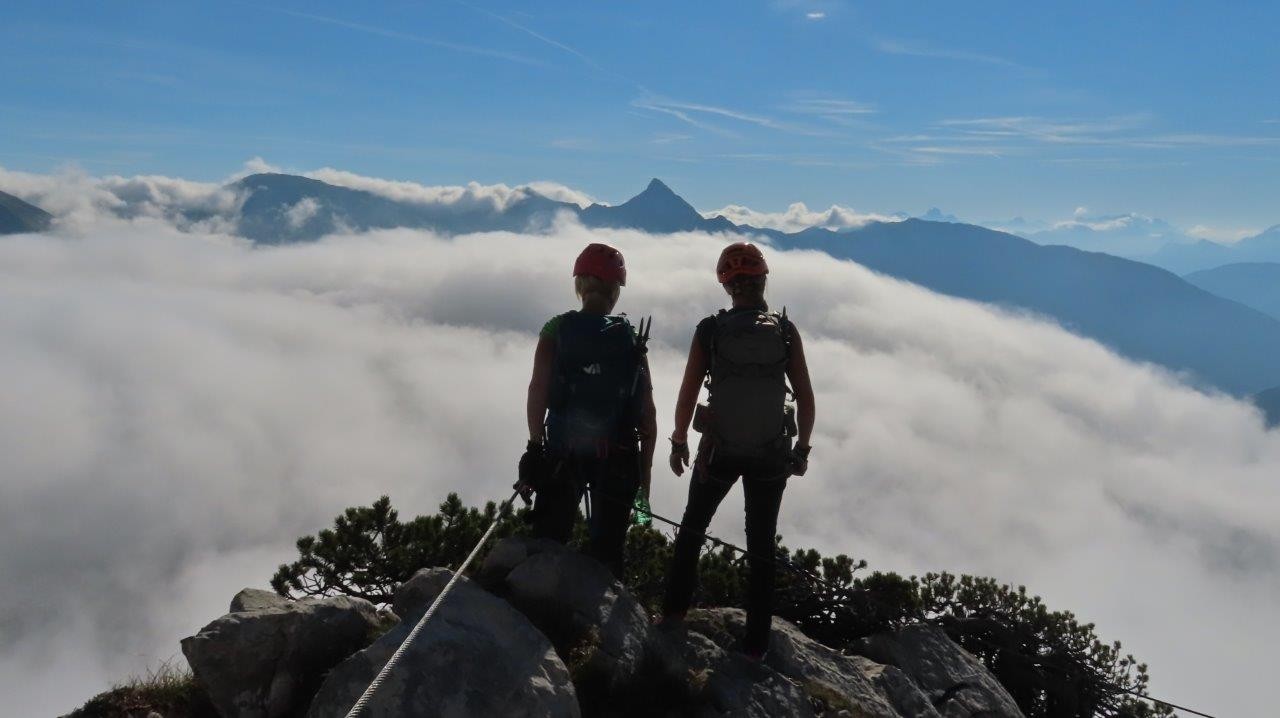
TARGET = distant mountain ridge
(19,217)
(282,208)
(1142,311)
(1193,256)
(1253,284)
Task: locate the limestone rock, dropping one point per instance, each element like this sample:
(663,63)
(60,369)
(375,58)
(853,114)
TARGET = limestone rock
(266,661)
(957,683)
(838,684)
(252,599)
(693,676)
(597,627)
(477,656)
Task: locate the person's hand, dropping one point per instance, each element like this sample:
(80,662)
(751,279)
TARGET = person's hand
(531,470)
(679,456)
(798,460)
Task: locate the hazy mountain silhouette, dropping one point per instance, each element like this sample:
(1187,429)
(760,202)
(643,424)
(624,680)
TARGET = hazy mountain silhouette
(1269,402)
(1125,235)
(1142,311)
(1181,258)
(936,215)
(1203,254)
(1253,284)
(1263,247)
(18,217)
(280,208)
(657,209)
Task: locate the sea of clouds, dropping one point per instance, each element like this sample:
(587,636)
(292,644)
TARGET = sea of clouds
(180,406)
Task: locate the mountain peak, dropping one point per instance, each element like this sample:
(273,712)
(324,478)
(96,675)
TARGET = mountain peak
(656,209)
(657,185)
(658,197)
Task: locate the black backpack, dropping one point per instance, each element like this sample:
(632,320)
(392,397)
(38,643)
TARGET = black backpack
(747,379)
(595,383)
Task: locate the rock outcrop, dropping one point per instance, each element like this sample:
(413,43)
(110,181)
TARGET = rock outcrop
(268,656)
(593,622)
(956,681)
(544,632)
(835,682)
(478,656)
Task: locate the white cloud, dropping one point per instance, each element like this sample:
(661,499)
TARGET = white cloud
(78,200)
(300,213)
(798,216)
(1224,235)
(815,15)
(495,197)
(181,407)
(1099,225)
(256,165)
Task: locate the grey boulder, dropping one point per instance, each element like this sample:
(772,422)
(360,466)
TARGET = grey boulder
(957,683)
(253,599)
(689,674)
(267,658)
(476,656)
(836,683)
(596,625)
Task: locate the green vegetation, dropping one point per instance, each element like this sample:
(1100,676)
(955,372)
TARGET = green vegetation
(169,690)
(1053,665)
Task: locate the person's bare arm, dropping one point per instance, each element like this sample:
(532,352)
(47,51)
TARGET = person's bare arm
(798,373)
(540,387)
(694,371)
(686,401)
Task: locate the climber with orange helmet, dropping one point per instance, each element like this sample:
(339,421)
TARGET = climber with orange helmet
(746,354)
(590,411)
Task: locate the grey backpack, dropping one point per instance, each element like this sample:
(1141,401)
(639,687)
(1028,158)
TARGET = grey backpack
(748,383)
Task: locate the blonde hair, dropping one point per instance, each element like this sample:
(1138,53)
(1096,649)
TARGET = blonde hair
(585,285)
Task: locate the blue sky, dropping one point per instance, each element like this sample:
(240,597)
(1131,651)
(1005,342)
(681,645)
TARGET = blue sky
(987,110)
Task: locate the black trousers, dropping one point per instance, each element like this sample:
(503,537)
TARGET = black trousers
(763,482)
(610,483)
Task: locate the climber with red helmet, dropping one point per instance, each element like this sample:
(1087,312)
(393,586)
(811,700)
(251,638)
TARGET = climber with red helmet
(590,411)
(746,354)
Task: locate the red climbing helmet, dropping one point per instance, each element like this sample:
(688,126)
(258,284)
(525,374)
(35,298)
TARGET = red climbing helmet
(740,259)
(602,261)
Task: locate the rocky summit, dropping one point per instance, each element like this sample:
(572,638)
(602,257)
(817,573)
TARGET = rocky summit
(544,632)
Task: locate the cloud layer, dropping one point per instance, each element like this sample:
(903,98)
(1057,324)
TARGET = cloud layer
(799,217)
(183,406)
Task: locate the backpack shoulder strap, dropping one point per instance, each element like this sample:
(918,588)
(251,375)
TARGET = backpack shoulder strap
(788,330)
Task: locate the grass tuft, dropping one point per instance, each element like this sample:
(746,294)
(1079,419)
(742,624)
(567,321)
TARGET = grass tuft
(168,690)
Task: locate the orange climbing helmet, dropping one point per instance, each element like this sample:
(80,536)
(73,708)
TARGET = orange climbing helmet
(740,259)
(602,261)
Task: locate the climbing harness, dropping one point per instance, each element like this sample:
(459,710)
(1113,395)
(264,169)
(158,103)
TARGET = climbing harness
(390,665)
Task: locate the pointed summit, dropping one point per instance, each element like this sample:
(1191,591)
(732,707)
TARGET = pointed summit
(657,186)
(656,209)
